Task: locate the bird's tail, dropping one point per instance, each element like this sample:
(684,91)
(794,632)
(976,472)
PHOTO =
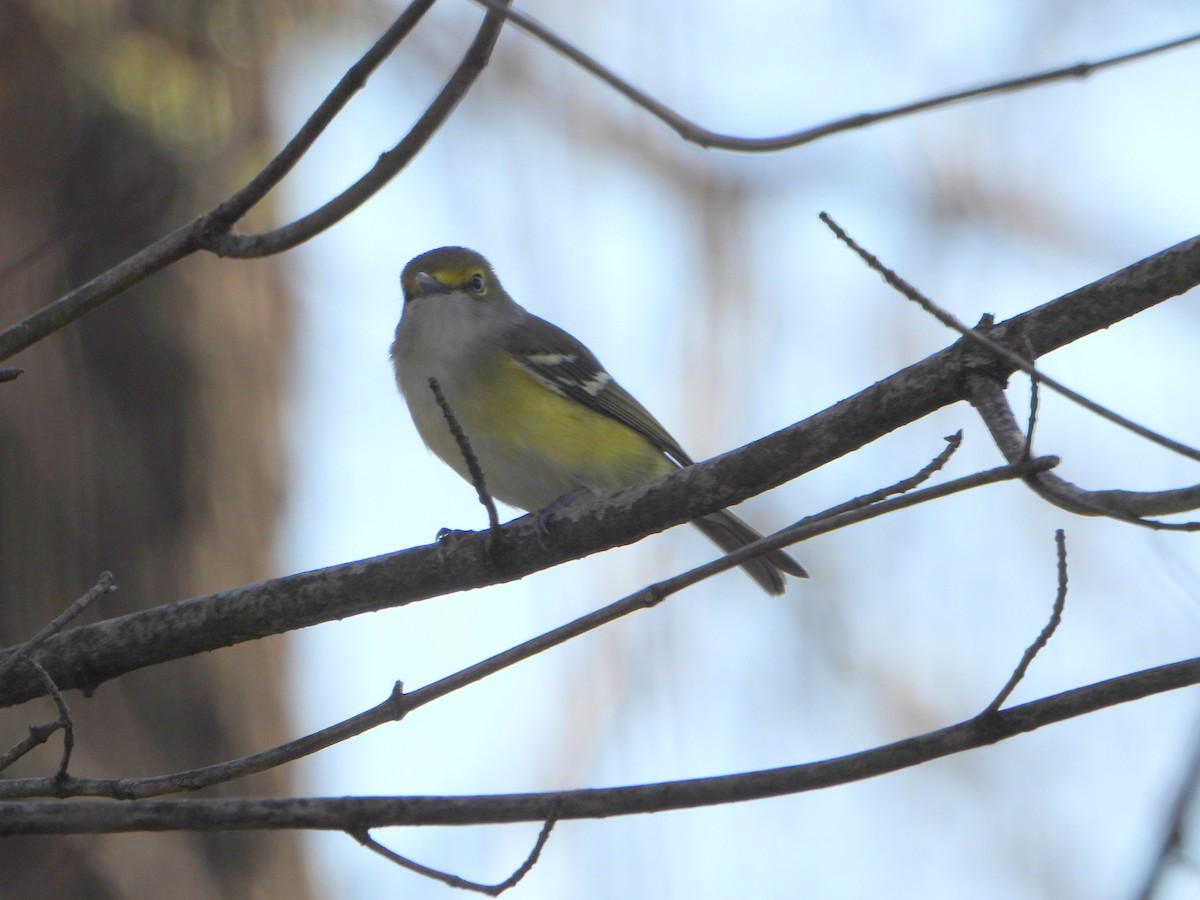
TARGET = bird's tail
(729,533)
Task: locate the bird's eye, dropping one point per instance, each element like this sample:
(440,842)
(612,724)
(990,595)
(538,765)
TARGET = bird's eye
(476,283)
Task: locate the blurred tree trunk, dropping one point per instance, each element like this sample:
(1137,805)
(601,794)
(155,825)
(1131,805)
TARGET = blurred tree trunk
(145,438)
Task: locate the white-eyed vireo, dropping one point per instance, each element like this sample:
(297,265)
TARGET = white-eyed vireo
(542,416)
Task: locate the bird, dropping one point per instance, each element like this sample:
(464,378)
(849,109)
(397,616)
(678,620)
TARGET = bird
(544,419)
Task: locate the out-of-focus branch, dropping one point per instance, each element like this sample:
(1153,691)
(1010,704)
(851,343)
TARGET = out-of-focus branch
(212,230)
(698,134)
(1170,849)
(361,813)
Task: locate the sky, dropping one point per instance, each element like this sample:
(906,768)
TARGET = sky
(706,284)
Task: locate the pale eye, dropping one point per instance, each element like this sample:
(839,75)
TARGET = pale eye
(476,283)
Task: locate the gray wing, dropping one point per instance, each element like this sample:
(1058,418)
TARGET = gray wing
(567,367)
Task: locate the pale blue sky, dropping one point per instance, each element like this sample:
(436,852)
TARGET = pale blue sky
(909,623)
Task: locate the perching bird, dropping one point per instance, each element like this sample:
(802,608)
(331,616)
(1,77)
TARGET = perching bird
(543,417)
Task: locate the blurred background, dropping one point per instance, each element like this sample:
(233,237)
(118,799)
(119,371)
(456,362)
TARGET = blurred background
(229,421)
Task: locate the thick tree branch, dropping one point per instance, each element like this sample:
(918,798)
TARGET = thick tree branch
(399,704)
(92,654)
(360,813)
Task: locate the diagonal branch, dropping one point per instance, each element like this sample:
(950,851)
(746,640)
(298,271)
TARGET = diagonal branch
(1010,356)
(211,230)
(94,653)
(389,164)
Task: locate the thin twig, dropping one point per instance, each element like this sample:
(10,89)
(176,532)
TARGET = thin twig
(468,455)
(953,442)
(400,703)
(357,813)
(491,890)
(1013,359)
(64,717)
(237,205)
(38,735)
(697,134)
(1132,507)
(1060,600)
(822,523)
(1034,401)
(103,586)
(393,709)
(245,246)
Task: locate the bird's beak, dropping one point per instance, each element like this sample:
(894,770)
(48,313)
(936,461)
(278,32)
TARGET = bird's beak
(428,284)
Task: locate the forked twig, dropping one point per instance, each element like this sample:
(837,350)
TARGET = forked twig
(64,717)
(212,230)
(38,735)
(104,585)
(989,400)
(1010,357)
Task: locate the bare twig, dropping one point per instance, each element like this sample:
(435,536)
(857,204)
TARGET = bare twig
(103,586)
(64,718)
(236,206)
(822,523)
(38,735)
(491,890)
(1126,506)
(1035,396)
(1060,600)
(953,442)
(468,455)
(475,59)
(697,134)
(394,708)
(358,813)
(1009,356)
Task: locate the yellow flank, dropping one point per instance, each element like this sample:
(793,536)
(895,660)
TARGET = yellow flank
(523,413)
